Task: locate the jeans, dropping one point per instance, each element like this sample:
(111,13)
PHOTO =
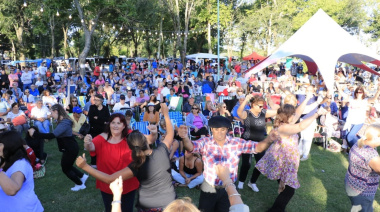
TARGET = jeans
(352,138)
(22,128)
(178,177)
(359,202)
(26,86)
(306,140)
(43,127)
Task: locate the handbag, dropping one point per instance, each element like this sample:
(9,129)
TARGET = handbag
(84,129)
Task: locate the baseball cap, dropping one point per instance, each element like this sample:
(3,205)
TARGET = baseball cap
(151,104)
(122,96)
(77,110)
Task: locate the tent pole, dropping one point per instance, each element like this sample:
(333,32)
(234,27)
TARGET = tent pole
(218,44)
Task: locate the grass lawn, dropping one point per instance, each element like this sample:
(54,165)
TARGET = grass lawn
(321,178)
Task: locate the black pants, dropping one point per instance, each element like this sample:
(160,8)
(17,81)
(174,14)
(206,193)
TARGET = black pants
(126,201)
(246,165)
(282,200)
(214,202)
(201,131)
(68,159)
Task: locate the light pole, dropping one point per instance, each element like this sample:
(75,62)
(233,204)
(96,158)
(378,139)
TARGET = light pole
(218,44)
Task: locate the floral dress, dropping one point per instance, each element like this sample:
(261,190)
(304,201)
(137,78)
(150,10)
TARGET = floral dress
(281,161)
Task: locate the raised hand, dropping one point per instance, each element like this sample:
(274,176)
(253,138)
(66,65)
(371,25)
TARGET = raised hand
(222,172)
(274,135)
(117,187)
(152,128)
(182,131)
(81,161)
(164,109)
(88,139)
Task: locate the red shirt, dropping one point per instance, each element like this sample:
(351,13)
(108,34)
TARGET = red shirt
(111,158)
(237,68)
(97,71)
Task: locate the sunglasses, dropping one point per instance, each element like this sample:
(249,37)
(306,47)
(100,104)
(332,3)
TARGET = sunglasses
(260,106)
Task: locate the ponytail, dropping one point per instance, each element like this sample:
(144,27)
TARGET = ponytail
(138,144)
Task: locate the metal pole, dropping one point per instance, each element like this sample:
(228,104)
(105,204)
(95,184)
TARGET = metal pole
(218,44)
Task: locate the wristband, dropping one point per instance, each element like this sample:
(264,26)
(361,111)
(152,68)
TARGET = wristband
(234,195)
(228,185)
(116,202)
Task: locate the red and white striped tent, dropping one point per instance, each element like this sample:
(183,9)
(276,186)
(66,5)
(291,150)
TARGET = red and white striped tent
(321,42)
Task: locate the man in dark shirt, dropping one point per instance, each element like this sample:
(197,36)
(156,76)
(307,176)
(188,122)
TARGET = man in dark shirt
(188,105)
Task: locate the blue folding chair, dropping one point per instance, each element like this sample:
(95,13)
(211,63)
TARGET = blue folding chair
(142,116)
(177,116)
(142,126)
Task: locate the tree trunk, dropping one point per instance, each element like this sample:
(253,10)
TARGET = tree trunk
(13,51)
(52,25)
(209,37)
(65,46)
(20,42)
(160,39)
(269,36)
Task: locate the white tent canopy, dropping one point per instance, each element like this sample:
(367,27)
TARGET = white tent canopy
(321,42)
(203,56)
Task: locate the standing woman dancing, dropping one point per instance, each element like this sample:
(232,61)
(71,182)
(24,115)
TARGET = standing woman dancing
(255,130)
(150,166)
(66,144)
(281,160)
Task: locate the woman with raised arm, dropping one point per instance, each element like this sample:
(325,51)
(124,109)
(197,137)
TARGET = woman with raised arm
(281,161)
(150,166)
(255,130)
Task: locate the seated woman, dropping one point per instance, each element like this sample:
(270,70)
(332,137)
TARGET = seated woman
(151,115)
(129,118)
(16,178)
(209,109)
(197,122)
(190,170)
(18,118)
(47,99)
(223,111)
(73,103)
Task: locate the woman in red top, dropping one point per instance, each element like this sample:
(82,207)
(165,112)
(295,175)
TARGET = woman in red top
(113,154)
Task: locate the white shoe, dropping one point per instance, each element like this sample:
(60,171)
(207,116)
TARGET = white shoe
(240,185)
(78,187)
(253,187)
(84,178)
(304,158)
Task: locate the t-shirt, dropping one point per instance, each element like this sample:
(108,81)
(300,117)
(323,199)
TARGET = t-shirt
(155,180)
(111,158)
(25,199)
(198,122)
(11,115)
(77,125)
(357,111)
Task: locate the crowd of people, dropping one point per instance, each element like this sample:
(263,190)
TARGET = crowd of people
(123,115)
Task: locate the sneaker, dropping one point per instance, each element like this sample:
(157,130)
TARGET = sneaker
(78,187)
(240,185)
(304,158)
(253,186)
(84,178)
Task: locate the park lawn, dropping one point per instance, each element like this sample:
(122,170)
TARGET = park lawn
(321,178)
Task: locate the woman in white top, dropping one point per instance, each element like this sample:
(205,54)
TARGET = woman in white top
(357,113)
(16,112)
(47,99)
